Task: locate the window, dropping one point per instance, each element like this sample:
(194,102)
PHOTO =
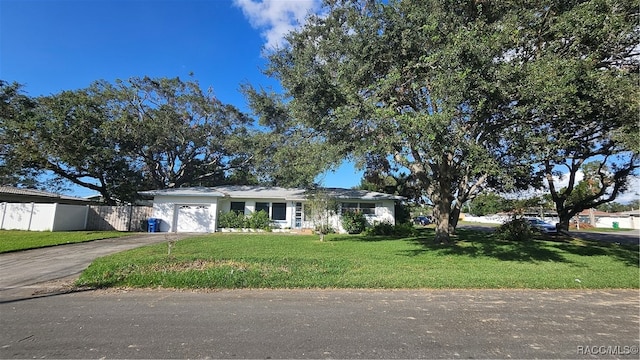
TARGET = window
(349,207)
(368,208)
(365,208)
(237,207)
(279,211)
(262,206)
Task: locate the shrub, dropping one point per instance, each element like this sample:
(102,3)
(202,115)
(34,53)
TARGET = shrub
(354,222)
(381,228)
(231,220)
(387,229)
(234,220)
(404,229)
(517,229)
(258,220)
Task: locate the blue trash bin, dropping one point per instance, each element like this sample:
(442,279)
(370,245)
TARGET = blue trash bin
(153,225)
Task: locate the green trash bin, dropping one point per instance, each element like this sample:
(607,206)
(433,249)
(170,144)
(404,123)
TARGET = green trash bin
(616,225)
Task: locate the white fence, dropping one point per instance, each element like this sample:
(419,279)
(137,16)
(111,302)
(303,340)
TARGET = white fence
(42,217)
(623,222)
(61,217)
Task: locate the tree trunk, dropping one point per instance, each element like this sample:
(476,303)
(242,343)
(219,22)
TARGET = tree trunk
(453,220)
(441,213)
(442,198)
(564,219)
(442,230)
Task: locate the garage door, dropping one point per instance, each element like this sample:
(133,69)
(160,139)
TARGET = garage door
(193,218)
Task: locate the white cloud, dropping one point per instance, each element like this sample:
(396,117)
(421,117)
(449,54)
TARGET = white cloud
(632,193)
(276,18)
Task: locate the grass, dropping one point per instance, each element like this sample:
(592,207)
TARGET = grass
(15,240)
(476,260)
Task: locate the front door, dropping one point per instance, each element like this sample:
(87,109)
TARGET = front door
(298,216)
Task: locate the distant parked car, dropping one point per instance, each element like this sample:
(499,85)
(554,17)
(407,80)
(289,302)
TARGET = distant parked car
(542,226)
(421,220)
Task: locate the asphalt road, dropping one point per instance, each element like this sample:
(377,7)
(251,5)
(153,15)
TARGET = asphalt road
(362,324)
(621,237)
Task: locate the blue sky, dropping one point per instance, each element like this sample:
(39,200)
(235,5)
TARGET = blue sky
(55,45)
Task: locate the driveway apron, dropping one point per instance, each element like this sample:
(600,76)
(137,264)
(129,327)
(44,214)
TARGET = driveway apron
(22,271)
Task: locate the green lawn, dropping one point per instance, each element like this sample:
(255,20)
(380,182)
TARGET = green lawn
(14,240)
(476,260)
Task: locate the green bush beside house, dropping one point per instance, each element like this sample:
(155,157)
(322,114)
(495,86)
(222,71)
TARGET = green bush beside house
(354,222)
(234,220)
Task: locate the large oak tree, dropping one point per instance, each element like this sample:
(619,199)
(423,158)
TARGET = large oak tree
(65,135)
(408,85)
(180,134)
(121,138)
(286,153)
(574,67)
(16,108)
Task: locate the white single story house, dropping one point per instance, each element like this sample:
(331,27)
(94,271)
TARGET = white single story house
(196,209)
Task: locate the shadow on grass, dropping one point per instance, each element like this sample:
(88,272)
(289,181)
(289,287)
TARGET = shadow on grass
(474,243)
(479,243)
(422,232)
(628,254)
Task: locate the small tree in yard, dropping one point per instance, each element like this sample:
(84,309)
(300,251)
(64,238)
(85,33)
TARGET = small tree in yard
(321,207)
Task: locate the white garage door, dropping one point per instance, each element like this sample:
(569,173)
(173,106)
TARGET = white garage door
(193,218)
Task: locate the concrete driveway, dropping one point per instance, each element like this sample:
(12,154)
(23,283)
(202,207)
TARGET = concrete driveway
(23,271)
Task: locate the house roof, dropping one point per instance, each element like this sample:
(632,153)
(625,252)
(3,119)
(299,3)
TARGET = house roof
(269,192)
(588,212)
(346,194)
(187,191)
(13,194)
(261,192)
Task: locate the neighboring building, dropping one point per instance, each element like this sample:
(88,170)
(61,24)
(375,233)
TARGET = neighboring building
(11,194)
(197,209)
